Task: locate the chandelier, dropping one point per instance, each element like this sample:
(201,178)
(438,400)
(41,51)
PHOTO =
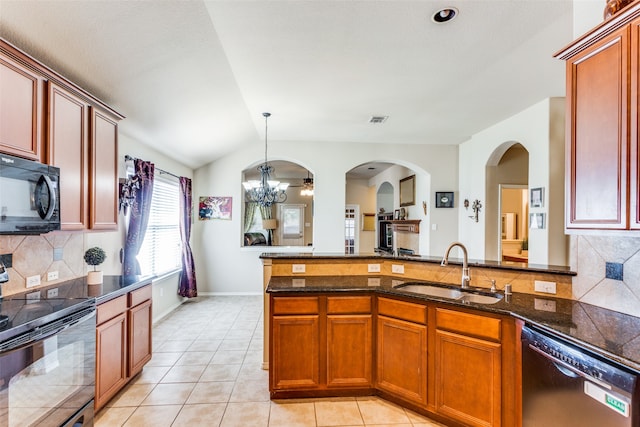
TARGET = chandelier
(307,186)
(265,191)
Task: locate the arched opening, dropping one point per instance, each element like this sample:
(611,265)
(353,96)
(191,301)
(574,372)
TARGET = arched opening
(507,204)
(286,223)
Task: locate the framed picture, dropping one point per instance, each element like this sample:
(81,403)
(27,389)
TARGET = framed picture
(537,197)
(444,199)
(396,214)
(212,207)
(408,191)
(536,220)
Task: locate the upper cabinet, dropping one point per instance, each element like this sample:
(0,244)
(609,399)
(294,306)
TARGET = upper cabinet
(602,126)
(20,110)
(47,118)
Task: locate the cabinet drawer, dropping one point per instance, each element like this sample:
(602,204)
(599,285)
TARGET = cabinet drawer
(139,296)
(416,313)
(348,305)
(468,324)
(295,305)
(111,309)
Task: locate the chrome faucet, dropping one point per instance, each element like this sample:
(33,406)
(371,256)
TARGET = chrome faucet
(466,277)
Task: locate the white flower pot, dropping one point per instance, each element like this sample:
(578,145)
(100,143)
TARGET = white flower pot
(94,278)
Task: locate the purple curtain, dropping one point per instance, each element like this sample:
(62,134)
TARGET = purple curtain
(188,275)
(144,173)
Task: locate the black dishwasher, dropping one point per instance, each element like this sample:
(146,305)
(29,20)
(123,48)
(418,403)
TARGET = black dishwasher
(564,385)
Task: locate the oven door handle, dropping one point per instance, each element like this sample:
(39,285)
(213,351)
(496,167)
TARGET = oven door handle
(35,336)
(563,367)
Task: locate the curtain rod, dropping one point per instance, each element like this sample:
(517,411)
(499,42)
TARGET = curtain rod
(162,171)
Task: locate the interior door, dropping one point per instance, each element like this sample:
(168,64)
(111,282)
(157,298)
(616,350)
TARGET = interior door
(291,231)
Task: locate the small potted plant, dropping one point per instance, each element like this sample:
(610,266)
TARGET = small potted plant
(94,256)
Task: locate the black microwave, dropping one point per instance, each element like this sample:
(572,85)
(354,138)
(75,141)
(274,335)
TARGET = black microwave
(29,196)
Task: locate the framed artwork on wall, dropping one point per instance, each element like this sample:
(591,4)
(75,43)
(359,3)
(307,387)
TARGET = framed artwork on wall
(536,220)
(537,197)
(408,191)
(212,207)
(444,199)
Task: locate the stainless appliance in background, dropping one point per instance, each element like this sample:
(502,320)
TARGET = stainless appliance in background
(29,196)
(47,358)
(564,385)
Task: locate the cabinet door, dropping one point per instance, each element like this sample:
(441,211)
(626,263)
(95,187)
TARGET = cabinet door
(468,381)
(597,135)
(349,350)
(20,110)
(111,359)
(103,214)
(402,359)
(140,327)
(67,148)
(294,361)
(634,163)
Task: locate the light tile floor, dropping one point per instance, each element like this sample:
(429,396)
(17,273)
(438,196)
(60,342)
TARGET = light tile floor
(206,371)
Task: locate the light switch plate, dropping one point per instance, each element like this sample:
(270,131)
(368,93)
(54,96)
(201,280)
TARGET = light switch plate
(373,268)
(33,281)
(298,268)
(397,268)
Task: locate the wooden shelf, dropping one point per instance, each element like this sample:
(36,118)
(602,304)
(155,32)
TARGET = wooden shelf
(406,225)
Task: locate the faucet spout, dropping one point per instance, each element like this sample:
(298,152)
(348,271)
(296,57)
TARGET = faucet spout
(466,276)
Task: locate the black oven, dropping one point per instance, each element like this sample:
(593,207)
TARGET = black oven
(47,359)
(29,196)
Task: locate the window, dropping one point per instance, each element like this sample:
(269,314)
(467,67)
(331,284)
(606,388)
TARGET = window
(350,229)
(161,249)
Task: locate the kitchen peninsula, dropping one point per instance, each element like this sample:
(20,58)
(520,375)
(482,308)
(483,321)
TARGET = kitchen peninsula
(342,325)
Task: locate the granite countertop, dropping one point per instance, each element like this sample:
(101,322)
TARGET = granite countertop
(502,265)
(114,286)
(610,334)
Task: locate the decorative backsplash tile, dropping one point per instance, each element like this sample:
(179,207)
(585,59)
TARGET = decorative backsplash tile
(33,255)
(590,255)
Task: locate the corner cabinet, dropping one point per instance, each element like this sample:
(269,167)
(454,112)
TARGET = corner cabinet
(602,155)
(123,342)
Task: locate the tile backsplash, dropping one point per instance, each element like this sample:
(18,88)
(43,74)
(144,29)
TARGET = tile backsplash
(34,255)
(589,257)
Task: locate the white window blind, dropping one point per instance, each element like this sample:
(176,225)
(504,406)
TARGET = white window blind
(161,249)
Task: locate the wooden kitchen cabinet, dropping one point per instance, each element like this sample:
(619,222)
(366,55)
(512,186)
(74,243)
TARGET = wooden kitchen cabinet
(20,109)
(320,343)
(103,194)
(602,155)
(349,342)
(402,350)
(468,381)
(123,342)
(68,149)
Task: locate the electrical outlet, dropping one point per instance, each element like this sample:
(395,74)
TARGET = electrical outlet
(544,305)
(373,268)
(546,287)
(33,281)
(52,275)
(298,268)
(397,268)
(161,291)
(52,293)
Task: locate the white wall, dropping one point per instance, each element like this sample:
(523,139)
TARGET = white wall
(224,267)
(537,129)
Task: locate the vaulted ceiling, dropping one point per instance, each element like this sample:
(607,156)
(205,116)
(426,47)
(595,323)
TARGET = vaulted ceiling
(193,77)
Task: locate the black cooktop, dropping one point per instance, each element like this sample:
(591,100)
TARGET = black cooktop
(29,310)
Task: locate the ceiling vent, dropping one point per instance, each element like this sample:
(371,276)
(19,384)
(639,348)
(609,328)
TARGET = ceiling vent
(378,119)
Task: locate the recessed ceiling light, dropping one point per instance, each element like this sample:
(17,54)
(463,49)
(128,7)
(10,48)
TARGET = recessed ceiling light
(378,119)
(444,15)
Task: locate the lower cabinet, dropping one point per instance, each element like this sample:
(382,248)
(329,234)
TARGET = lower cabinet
(454,364)
(320,343)
(402,350)
(123,342)
(468,367)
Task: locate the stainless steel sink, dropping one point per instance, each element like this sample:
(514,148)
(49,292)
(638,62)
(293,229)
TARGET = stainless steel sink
(453,293)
